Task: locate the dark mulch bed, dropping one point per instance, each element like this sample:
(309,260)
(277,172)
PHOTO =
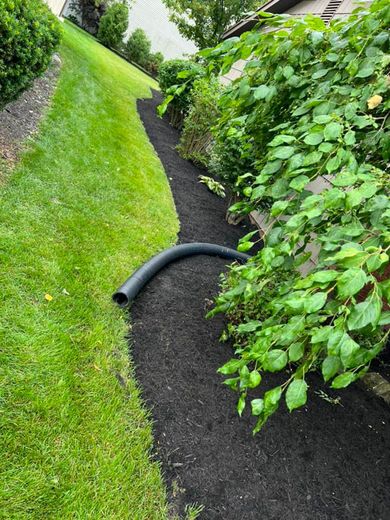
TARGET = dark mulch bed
(20,119)
(324,462)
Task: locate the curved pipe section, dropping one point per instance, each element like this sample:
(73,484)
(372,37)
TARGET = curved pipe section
(133,285)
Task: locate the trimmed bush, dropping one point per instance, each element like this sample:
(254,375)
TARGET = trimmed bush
(113,25)
(29,35)
(138,47)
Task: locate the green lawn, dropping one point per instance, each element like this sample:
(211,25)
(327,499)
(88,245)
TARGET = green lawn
(88,203)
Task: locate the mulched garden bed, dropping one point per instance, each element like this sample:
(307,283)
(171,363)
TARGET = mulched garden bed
(20,119)
(323,462)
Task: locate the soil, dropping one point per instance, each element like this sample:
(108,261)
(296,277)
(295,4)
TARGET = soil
(323,462)
(20,119)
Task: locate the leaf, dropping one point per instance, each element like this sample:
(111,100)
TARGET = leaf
(330,366)
(332,131)
(271,399)
(299,183)
(254,379)
(278,207)
(48,297)
(320,73)
(245,246)
(296,351)
(261,92)
(257,406)
(241,404)
(250,326)
(275,360)
(366,68)
(312,158)
(365,313)
(283,152)
(351,282)
(322,334)
(325,276)
(344,380)
(315,302)
(314,139)
(350,138)
(384,319)
(296,394)
(231,367)
(376,260)
(348,348)
(333,164)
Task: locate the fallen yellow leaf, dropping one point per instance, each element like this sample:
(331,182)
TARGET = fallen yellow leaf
(374,101)
(48,297)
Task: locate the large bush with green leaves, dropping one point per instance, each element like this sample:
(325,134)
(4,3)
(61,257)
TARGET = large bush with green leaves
(138,47)
(113,24)
(313,102)
(176,79)
(196,138)
(29,35)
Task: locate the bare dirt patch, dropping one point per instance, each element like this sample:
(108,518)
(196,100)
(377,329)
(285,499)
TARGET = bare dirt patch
(19,120)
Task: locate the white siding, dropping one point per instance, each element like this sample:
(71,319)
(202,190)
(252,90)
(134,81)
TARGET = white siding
(56,6)
(153,17)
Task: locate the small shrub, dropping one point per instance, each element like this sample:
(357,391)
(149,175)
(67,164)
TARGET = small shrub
(113,25)
(196,139)
(137,48)
(154,62)
(182,74)
(29,35)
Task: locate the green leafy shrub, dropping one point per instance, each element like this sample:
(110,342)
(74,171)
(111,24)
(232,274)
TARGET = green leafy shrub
(113,25)
(154,63)
(313,101)
(138,47)
(29,35)
(196,139)
(176,79)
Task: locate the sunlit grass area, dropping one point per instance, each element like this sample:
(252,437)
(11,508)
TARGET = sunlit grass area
(88,203)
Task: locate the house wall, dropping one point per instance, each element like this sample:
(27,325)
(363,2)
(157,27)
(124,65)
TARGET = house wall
(152,16)
(56,6)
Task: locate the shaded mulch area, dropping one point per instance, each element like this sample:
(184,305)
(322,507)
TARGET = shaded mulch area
(20,119)
(323,462)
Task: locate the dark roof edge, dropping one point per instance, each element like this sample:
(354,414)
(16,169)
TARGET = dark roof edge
(273,6)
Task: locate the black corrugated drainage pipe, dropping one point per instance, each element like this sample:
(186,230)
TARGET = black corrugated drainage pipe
(133,285)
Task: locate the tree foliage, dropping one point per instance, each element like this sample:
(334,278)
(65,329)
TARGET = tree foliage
(89,13)
(138,47)
(205,22)
(313,101)
(113,24)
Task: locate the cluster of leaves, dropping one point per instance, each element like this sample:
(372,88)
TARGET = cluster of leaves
(205,22)
(311,109)
(29,35)
(113,24)
(213,185)
(176,79)
(196,139)
(138,50)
